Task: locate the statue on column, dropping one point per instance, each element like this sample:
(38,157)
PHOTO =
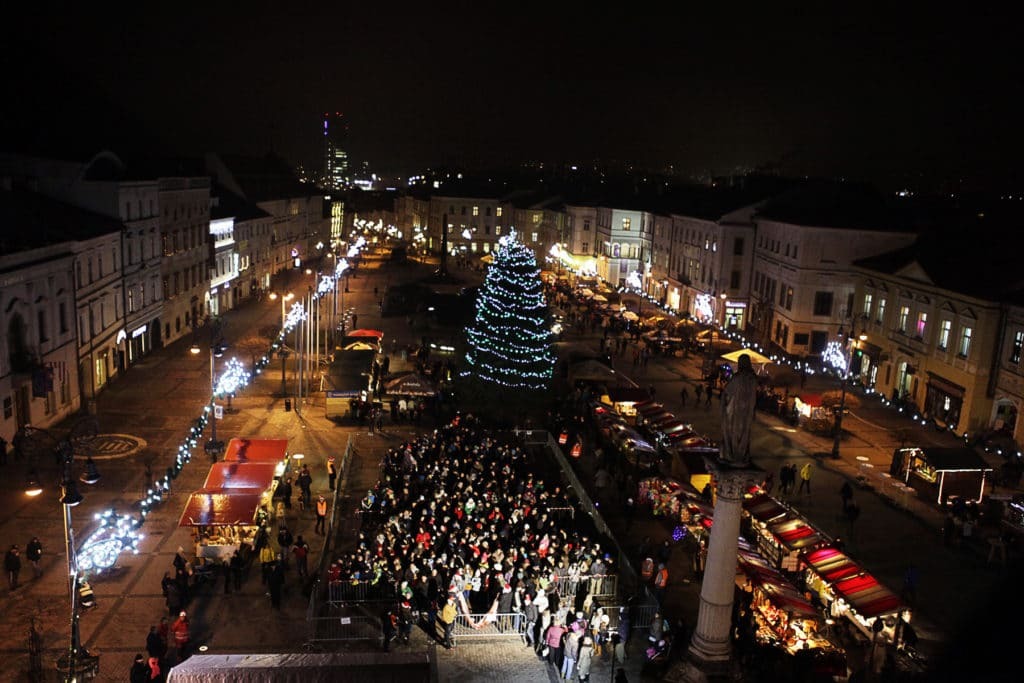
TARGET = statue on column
(738,401)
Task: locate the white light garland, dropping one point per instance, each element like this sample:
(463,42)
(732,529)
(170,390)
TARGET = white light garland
(232,378)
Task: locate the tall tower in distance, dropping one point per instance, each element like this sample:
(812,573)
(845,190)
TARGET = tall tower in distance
(335,150)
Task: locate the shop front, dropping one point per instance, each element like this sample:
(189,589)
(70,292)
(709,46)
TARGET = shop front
(735,314)
(943,401)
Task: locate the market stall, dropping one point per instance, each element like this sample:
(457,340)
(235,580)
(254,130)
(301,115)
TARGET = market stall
(223,521)
(942,473)
(257,450)
(763,509)
(670,499)
(624,399)
(851,592)
(782,539)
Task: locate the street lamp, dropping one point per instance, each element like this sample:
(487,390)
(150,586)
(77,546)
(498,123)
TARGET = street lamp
(77,660)
(838,354)
(723,296)
(283,297)
(213,446)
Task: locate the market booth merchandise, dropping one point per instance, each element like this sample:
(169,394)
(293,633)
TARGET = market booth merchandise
(784,538)
(222,521)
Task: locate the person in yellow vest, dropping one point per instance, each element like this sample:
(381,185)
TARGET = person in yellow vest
(321,515)
(448,614)
(647,570)
(661,582)
(332,473)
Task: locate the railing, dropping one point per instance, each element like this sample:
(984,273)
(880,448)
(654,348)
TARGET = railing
(500,625)
(344,628)
(597,585)
(347,592)
(325,550)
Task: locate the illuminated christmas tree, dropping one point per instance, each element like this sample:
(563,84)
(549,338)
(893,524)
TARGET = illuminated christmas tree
(509,342)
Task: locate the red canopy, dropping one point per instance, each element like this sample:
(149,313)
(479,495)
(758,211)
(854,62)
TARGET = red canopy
(256,450)
(795,534)
(241,475)
(220,508)
(831,564)
(377,334)
(868,597)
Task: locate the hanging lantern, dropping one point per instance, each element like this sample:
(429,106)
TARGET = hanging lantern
(563,438)
(576,450)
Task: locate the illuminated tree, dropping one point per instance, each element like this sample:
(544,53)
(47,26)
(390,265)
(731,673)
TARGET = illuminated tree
(509,342)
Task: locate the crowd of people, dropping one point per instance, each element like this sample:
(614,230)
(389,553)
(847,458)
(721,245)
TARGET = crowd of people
(460,524)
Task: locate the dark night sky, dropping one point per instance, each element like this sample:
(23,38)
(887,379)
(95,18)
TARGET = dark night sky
(895,97)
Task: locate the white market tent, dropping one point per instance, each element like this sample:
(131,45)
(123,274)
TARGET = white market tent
(373,667)
(759,362)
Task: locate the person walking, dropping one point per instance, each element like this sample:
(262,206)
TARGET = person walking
(301,552)
(805,478)
(305,484)
(321,515)
(661,582)
(140,670)
(583,659)
(182,634)
(683,395)
(284,542)
(12,565)
(236,570)
(699,391)
(447,618)
(276,581)
(709,391)
(284,493)
(846,493)
(34,553)
(332,472)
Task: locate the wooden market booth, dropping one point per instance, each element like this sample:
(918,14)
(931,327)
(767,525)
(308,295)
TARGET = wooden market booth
(942,473)
(222,521)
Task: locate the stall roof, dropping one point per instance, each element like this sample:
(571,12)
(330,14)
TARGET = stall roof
(376,334)
(371,667)
(831,564)
(649,408)
(795,533)
(220,507)
(786,597)
(756,358)
(867,596)
(628,394)
(764,508)
(256,450)
(955,459)
(813,400)
(241,475)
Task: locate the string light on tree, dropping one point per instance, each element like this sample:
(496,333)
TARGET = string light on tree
(510,339)
(834,356)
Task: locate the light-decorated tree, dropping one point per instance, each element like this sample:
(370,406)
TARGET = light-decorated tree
(509,343)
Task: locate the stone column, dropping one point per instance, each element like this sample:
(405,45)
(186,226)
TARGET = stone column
(710,654)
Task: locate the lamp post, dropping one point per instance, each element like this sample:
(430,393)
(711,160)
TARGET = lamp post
(283,353)
(283,297)
(723,296)
(839,355)
(213,446)
(77,660)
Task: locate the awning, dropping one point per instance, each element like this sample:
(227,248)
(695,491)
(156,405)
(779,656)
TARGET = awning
(756,359)
(831,564)
(764,508)
(241,475)
(631,316)
(256,450)
(377,334)
(795,534)
(867,596)
(221,508)
(359,346)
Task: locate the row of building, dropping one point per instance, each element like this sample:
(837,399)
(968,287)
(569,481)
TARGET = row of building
(102,261)
(930,312)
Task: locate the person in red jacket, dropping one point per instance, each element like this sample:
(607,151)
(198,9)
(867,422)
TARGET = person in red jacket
(182,635)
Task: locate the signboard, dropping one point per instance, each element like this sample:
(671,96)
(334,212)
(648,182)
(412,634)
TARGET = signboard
(218,412)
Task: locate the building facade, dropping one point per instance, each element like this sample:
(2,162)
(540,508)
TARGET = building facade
(187,252)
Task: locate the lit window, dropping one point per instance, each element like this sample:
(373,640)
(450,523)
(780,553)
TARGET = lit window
(922,323)
(881,311)
(965,342)
(476,210)
(497,212)
(904,317)
(867,305)
(534,235)
(945,329)
(626,223)
(497,229)
(1018,347)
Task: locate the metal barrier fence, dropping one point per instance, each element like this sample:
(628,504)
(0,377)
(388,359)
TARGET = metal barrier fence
(501,625)
(347,592)
(599,586)
(339,628)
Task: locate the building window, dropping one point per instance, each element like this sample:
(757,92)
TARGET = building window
(476,210)
(586,225)
(41,317)
(534,236)
(626,222)
(881,311)
(965,342)
(585,247)
(8,407)
(866,311)
(737,246)
(714,246)
(922,324)
(487,211)
(734,279)
(497,212)
(945,329)
(62,313)
(789,298)
(1018,346)
(823,303)
(463,211)
(901,324)
(497,229)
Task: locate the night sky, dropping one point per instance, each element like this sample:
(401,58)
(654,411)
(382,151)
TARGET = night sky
(899,98)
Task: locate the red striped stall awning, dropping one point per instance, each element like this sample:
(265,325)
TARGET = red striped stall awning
(831,564)
(867,596)
(795,534)
(764,508)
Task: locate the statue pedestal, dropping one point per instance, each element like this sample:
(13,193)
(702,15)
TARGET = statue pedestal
(710,654)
